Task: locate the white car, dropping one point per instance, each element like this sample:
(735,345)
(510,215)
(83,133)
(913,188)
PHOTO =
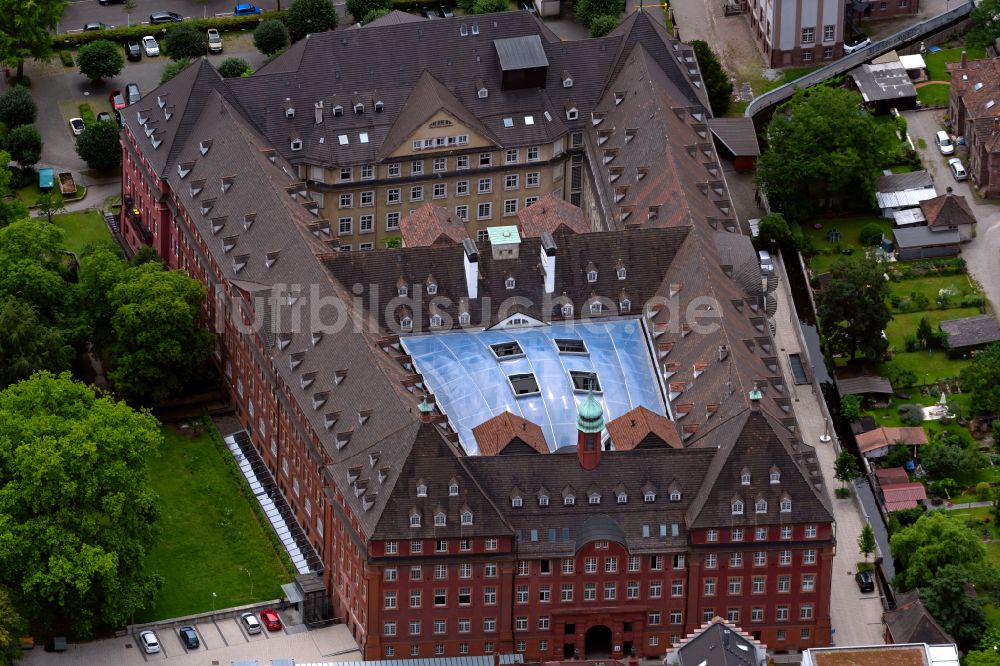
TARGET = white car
(250,623)
(957,169)
(76,124)
(856,43)
(214,41)
(766,264)
(150,47)
(149,642)
(944,143)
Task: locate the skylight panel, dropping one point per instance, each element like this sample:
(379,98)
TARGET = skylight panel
(524,384)
(363,137)
(570,346)
(584,381)
(342,138)
(503,350)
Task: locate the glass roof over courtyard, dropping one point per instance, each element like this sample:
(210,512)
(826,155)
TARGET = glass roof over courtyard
(539,373)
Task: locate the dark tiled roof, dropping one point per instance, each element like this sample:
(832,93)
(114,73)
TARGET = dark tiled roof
(395,17)
(719,643)
(911,622)
(971,331)
(548,214)
(863,384)
(431,225)
(640,428)
(900,182)
(738,135)
(911,237)
(882,82)
(495,435)
(947,210)
(757,443)
(977,84)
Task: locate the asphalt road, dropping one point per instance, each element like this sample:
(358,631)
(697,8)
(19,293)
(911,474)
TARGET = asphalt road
(83,11)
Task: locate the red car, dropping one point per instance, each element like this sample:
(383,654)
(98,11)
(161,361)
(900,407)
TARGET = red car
(116,100)
(270,619)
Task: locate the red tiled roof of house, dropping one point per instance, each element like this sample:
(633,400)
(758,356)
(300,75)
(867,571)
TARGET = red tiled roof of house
(431,225)
(947,210)
(894,475)
(903,496)
(633,427)
(876,439)
(495,435)
(548,214)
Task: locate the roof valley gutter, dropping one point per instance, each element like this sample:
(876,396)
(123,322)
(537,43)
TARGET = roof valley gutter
(660,381)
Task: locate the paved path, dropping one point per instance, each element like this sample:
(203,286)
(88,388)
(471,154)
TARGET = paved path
(864,493)
(967,505)
(856,617)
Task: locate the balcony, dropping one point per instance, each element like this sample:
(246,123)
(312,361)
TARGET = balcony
(134,216)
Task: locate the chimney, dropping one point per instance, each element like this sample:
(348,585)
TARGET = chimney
(318,109)
(496,655)
(589,424)
(426,410)
(471,267)
(965,61)
(548,252)
(948,189)
(755,397)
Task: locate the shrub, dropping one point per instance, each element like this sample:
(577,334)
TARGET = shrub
(588,10)
(374,14)
(100,60)
(602,25)
(173,69)
(983,491)
(86,113)
(871,234)
(903,378)
(842,493)
(306,16)
(850,407)
(184,40)
(270,37)
(361,8)
(971,301)
(24,144)
(17,107)
(910,342)
(920,301)
(489,6)
(223,24)
(901,125)
(66,57)
(233,68)
(910,414)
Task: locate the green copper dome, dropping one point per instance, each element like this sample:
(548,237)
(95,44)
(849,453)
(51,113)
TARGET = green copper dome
(590,415)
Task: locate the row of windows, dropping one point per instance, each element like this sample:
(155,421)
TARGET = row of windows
(759,558)
(760,505)
(761,533)
(809,34)
(758,585)
(346,174)
(441,546)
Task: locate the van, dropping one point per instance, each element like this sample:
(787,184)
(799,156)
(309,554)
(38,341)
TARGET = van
(766,265)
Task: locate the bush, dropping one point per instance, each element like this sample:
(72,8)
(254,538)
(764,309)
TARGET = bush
(971,301)
(920,301)
(66,57)
(910,342)
(17,107)
(374,14)
(910,414)
(901,125)
(903,378)
(173,69)
(602,25)
(842,493)
(588,10)
(306,16)
(223,24)
(489,6)
(184,40)
(359,9)
(24,144)
(98,145)
(871,235)
(233,68)
(86,113)
(101,59)
(983,491)
(270,37)
(850,408)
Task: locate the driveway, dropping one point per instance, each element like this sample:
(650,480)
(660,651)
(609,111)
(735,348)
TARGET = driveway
(982,254)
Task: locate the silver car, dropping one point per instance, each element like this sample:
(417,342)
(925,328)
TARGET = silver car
(250,623)
(149,642)
(214,41)
(957,169)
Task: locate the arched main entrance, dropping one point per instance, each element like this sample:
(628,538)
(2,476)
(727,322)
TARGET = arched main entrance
(597,643)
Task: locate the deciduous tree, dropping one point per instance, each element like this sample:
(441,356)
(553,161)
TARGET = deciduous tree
(26,30)
(984,25)
(930,544)
(948,458)
(233,67)
(185,40)
(271,36)
(773,228)
(50,203)
(852,309)
(17,107)
(76,508)
(28,344)
(845,467)
(866,541)
(360,8)
(489,6)
(12,627)
(308,16)
(982,658)
(24,144)
(981,379)
(99,146)
(101,270)
(717,83)
(958,613)
(588,10)
(823,147)
(12,209)
(100,59)
(602,25)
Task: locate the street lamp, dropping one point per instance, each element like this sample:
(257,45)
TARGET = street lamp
(213,602)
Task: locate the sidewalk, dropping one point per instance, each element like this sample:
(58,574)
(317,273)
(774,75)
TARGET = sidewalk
(856,618)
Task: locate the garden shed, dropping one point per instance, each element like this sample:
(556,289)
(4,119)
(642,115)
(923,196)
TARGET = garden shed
(876,443)
(970,333)
(926,243)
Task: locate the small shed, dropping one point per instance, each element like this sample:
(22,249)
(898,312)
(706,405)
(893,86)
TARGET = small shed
(874,385)
(876,443)
(925,243)
(738,137)
(949,211)
(908,217)
(885,86)
(46,179)
(970,333)
(914,65)
(900,496)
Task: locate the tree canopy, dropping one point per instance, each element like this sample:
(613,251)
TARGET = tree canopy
(308,16)
(602,25)
(173,69)
(100,59)
(14,209)
(935,541)
(185,41)
(99,145)
(948,458)
(12,627)
(24,144)
(588,10)
(233,67)
(845,467)
(823,147)
(981,379)
(984,23)
(958,613)
(76,512)
(718,85)
(17,107)
(852,309)
(271,36)
(28,344)
(26,30)
(374,14)
(360,8)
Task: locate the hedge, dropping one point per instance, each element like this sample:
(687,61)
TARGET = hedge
(224,24)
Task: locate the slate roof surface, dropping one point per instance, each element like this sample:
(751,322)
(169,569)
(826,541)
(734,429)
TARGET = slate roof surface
(863,384)
(738,135)
(947,210)
(910,622)
(911,237)
(900,182)
(881,82)
(969,331)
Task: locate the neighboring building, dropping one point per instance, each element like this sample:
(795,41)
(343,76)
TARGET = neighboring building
(949,212)
(918,242)
(792,33)
(898,492)
(718,643)
(968,334)
(435,416)
(974,113)
(738,138)
(911,622)
(876,443)
(874,386)
(900,191)
(902,654)
(885,86)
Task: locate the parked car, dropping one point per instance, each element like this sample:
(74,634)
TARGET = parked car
(271,619)
(527,5)
(103,115)
(957,169)
(189,637)
(157,18)
(444,11)
(944,143)
(246,9)
(149,642)
(110,2)
(766,265)
(116,100)
(214,41)
(150,47)
(132,49)
(856,43)
(250,623)
(76,124)
(132,94)
(96,25)
(428,13)
(865,581)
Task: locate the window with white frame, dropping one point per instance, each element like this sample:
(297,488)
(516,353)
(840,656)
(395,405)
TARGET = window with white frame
(346,173)
(393,195)
(417,193)
(761,506)
(367,172)
(462,213)
(344,225)
(389,629)
(440,164)
(808,35)
(512,156)
(809,557)
(485,185)
(786,504)
(484,211)
(485,159)
(808,583)
(785,558)
(758,585)
(737,507)
(368,198)
(416,167)
(462,188)
(440,190)
(828,32)
(462,162)
(528,201)
(391,221)
(510,181)
(366,224)
(533,154)
(712,561)
(414,627)
(531,179)
(510,206)
(395,170)
(346,200)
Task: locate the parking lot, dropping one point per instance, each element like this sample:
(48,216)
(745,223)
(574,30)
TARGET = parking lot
(222,641)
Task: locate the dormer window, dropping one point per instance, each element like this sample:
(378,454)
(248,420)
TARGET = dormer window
(414,519)
(622,498)
(591,276)
(737,507)
(483,93)
(619,98)
(453,489)
(621,272)
(649,497)
(786,504)
(775,475)
(745,477)
(338,111)
(594,498)
(572,114)
(567,82)
(516,501)
(402,289)
(596,307)
(567,310)
(464,319)
(432,288)
(421,490)
(436,321)
(466,517)
(379,106)
(406,323)
(290,112)
(569,500)
(675,496)
(543,500)
(761,506)
(296,144)
(439,519)
(509,283)
(184,169)
(624,305)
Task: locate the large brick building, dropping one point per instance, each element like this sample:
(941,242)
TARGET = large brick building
(549,443)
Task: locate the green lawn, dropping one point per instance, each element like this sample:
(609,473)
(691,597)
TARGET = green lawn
(931,286)
(82,228)
(936,70)
(928,366)
(901,168)
(210,540)
(902,325)
(850,228)
(934,94)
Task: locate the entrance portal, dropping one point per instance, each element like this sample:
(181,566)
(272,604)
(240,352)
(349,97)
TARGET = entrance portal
(597,643)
